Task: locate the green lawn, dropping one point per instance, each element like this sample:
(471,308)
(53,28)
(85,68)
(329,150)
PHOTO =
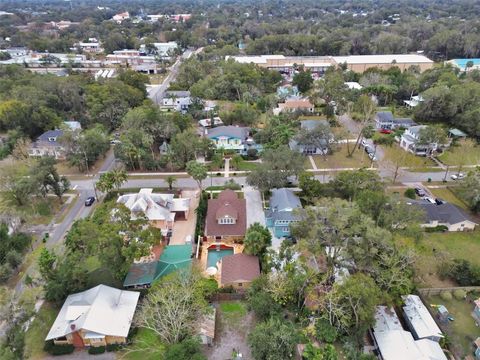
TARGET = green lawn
(146,346)
(233,312)
(466,152)
(463,330)
(245,166)
(395,154)
(38,330)
(436,248)
(447,195)
(339,159)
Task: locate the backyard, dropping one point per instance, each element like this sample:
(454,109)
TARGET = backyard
(463,330)
(435,248)
(234,322)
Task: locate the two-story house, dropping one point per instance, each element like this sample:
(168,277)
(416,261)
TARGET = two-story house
(280,213)
(234,138)
(386,120)
(176,101)
(410,138)
(226,217)
(48,144)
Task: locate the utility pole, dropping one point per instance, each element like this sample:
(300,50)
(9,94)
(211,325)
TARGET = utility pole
(446,173)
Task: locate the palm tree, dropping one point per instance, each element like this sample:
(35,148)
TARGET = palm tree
(118,177)
(170,181)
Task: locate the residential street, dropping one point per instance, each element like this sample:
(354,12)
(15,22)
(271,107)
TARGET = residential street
(156,93)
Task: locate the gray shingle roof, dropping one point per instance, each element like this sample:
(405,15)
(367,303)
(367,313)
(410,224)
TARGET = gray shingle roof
(230,131)
(385,116)
(50,134)
(445,213)
(282,203)
(284,199)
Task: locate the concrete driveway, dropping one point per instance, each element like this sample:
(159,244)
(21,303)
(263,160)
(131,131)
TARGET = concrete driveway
(254,206)
(184,228)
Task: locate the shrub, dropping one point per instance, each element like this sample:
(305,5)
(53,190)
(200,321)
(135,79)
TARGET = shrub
(113,347)
(410,193)
(325,332)
(96,350)
(459,294)
(446,295)
(53,349)
(439,228)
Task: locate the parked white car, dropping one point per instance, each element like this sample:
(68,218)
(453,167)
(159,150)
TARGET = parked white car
(458,176)
(429,199)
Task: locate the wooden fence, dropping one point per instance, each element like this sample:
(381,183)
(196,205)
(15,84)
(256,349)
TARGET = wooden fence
(437,291)
(228,296)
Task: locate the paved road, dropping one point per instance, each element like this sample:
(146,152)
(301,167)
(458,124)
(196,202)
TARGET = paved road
(156,93)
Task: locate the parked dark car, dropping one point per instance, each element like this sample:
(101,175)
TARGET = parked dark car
(90,200)
(420,192)
(439,201)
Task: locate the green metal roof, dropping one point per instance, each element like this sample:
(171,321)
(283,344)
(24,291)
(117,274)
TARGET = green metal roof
(173,257)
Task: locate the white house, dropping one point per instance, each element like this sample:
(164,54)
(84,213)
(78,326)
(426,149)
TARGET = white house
(419,320)
(176,101)
(48,144)
(96,317)
(409,141)
(92,47)
(163,50)
(160,209)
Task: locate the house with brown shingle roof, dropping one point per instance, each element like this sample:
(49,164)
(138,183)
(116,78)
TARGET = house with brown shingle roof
(291,105)
(226,217)
(238,270)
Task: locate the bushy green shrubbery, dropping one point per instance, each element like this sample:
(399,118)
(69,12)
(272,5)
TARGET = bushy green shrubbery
(53,349)
(96,350)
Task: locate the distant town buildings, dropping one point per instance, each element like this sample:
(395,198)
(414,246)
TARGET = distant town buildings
(356,63)
(176,18)
(119,18)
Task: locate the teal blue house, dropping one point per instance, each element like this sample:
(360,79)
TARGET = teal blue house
(280,213)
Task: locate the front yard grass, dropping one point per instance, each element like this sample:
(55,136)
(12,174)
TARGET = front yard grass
(435,248)
(38,330)
(463,330)
(465,152)
(245,166)
(339,159)
(392,153)
(446,194)
(146,346)
(42,210)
